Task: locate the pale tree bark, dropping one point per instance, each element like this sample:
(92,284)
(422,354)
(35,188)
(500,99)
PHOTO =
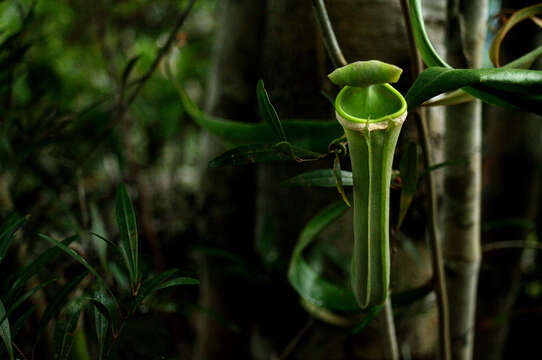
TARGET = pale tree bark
(512,147)
(462,183)
(289,55)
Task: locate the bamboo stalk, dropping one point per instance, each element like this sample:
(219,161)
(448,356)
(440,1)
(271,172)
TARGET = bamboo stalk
(462,184)
(434,241)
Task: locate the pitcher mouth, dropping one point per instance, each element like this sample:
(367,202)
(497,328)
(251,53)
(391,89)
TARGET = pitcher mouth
(371,104)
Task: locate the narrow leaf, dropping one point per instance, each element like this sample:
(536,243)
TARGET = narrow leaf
(35,266)
(338,179)
(260,153)
(5,332)
(101,318)
(409,175)
(23,298)
(375,310)
(73,254)
(310,285)
(520,88)
(314,135)
(320,178)
(65,330)
(268,112)
(56,304)
(126,222)
(178,282)
(128,69)
(10,225)
(517,17)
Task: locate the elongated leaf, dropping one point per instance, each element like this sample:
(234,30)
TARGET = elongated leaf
(268,112)
(151,285)
(5,332)
(35,266)
(101,317)
(375,310)
(65,329)
(310,285)
(520,87)
(73,254)
(309,134)
(452,98)
(128,69)
(56,304)
(126,222)
(517,17)
(409,176)
(178,282)
(98,227)
(116,249)
(338,179)
(320,178)
(488,93)
(23,298)
(525,61)
(10,225)
(260,153)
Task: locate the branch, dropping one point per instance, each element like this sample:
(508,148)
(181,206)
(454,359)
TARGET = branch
(140,83)
(434,243)
(330,41)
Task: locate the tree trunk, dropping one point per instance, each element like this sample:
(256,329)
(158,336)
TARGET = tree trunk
(512,144)
(462,183)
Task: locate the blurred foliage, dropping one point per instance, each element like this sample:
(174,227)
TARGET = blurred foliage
(69,134)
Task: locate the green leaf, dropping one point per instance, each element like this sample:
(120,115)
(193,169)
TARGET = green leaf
(338,179)
(151,285)
(5,332)
(126,222)
(427,51)
(320,178)
(310,285)
(365,73)
(259,153)
(116,249)
(519,87)
(128,69)
(375,310)
(517,17)
(56,304)
(488,93)
(309,134)
(452,98)
(525,61)
(10,225)
(65,329)
(268,112)
(35,266)
(98,227)
(178,282)
(101,317)
(408,168)
(73,254)
(23,298)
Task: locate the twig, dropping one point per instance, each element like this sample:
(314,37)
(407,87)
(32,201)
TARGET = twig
(330,41)
(511,244)
(291,346)
(436,250)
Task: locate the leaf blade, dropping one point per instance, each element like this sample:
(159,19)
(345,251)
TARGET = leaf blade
(268,112)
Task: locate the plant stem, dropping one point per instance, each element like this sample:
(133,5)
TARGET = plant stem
(330,41)
(462,184)
(393,348)
(434,243)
